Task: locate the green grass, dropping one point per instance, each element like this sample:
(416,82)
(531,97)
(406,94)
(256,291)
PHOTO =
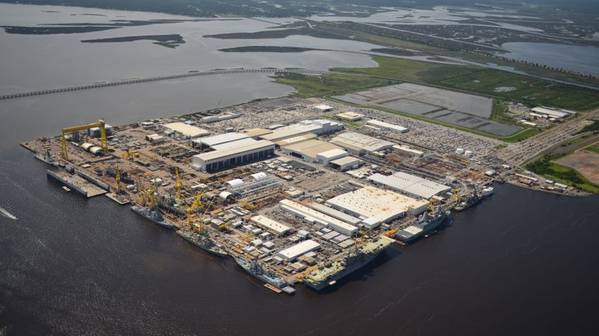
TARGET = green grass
(330,84)
(594,148)
(562,174)
(594,127)
(483,81)
(522,135)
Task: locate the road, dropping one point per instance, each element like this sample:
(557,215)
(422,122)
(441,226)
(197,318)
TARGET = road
(519,153)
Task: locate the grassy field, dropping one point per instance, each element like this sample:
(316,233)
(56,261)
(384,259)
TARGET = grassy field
(594,148)
(482,81)
(330,84)
(472,79)
(562,174)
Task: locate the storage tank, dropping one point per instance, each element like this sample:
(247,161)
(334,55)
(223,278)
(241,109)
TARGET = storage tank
(86,146)
(459,151)
(96,150)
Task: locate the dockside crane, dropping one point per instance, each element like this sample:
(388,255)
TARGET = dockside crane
(178,185)
(69,130)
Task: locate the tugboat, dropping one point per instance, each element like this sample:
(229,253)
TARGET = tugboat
(202,241)
(255,269)
(152,215)
(426,223)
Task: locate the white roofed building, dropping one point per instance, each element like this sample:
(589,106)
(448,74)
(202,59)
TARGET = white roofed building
(410,184)
(375,206)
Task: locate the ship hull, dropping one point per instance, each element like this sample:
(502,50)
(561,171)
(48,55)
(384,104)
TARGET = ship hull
(426,229)
(279,283)
(320,285)
(212,250)
(143,212)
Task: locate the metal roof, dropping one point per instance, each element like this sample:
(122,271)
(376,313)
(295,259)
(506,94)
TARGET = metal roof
(298,249)
(186,130)
(410,184)
(221,138)
(221,154)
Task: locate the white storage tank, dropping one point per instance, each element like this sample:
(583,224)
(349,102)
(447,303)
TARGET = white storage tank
(96,150)
(459,151)
(86,146)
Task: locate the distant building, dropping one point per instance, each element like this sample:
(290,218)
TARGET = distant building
(552,113)
(185,130)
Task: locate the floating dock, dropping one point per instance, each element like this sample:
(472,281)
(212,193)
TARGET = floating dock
(77,183)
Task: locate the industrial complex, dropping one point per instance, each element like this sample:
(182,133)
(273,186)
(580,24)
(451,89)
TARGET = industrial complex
(296,191)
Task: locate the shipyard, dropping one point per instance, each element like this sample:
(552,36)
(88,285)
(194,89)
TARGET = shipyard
(294,190)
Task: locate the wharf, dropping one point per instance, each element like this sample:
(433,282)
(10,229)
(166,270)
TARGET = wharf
(77,183)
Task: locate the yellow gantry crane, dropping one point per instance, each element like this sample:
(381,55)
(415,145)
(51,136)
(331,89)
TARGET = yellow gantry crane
(117,179)
(178,185)
(68,130)
(192,209)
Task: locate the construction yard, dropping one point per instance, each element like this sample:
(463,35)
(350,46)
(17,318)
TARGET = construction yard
(295,190)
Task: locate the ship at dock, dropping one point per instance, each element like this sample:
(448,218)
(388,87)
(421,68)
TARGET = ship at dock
(257,271)
(426,223)
(474,199)
(339,269)
(153,215)
(203,241)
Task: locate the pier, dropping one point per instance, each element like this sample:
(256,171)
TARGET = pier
(148,79)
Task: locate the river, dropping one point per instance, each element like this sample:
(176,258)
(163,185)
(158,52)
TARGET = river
(522,262)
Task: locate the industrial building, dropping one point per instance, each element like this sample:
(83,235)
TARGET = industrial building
(378,123)
(376,206)
(360,143)
(256,132)
(233,155)
(291,253)
(317,126)
(311,215)
(323,108)
(270,225)
(185,130)
(346,163)
(552,113)
(334,213)
(218,139)
(350,116)
(293,140)
(410,184)
(408,150)
(314,151)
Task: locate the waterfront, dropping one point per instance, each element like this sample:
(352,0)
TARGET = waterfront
(516,264)
(88,267)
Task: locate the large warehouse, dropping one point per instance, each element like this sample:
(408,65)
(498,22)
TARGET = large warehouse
(315,216)
(360,143)
(185,130)
(376,206)
(291,253)
(410,184)
(313,150)
(270,225)
(318,127)
(218,139)
(234,154)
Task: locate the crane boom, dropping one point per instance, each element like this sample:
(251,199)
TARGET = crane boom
(68,130)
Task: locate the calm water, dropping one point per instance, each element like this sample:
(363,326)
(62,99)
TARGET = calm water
(584,59)
(522,262)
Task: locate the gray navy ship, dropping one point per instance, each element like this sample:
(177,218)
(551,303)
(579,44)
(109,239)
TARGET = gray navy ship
(425,224)
(202,241)
(152,215)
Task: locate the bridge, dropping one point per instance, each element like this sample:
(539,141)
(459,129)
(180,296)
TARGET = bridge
(151,79)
